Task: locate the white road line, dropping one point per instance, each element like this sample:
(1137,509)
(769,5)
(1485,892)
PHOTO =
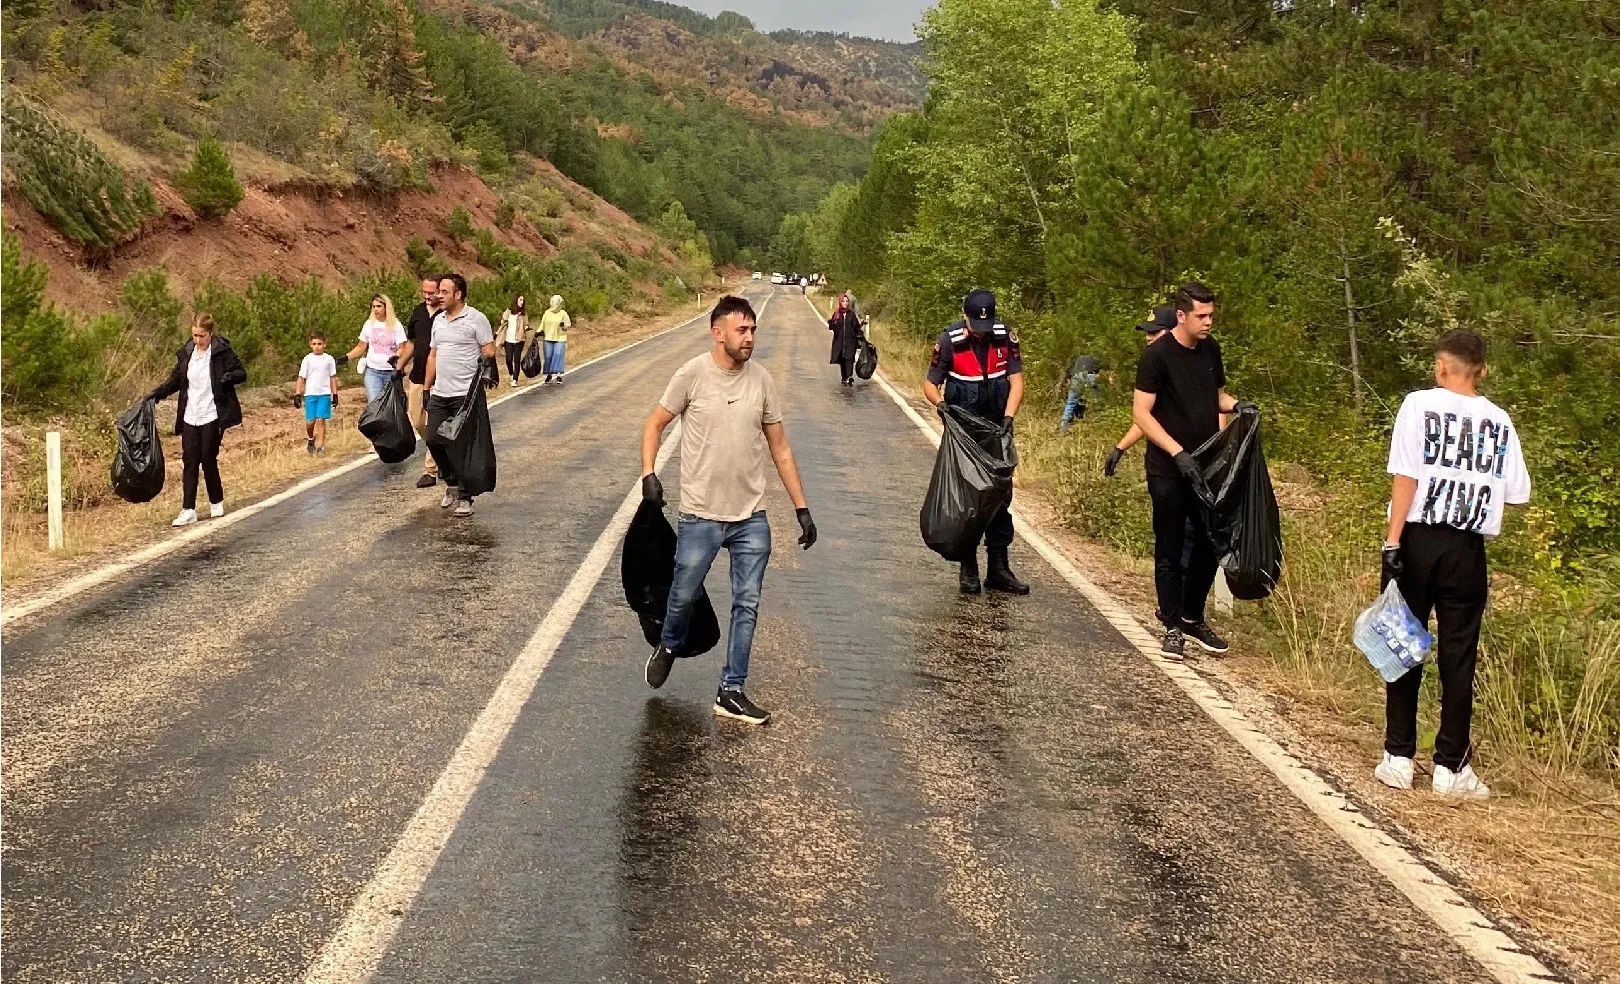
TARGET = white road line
(1469,928)
(355,951)
(12,612)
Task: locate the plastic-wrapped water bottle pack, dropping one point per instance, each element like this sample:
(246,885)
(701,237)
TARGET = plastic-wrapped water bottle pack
(1390,636)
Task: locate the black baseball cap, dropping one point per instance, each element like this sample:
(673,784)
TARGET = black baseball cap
(1164,319)
(980,308)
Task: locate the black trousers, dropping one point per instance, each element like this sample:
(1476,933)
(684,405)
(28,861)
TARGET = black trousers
(1445,573)
(846,369)
(514,358)
(199,448)
(1000,531)
(440,409)
(1181,577)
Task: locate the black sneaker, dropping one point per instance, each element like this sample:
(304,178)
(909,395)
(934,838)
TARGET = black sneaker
(309,446)
(426,482)
(1201,633)
(1174,645)
(735,704)
(658,667)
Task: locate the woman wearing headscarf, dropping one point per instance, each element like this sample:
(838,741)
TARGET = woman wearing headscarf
(380,339)
(554,325)
(206,374)
(514,333)
(845,325)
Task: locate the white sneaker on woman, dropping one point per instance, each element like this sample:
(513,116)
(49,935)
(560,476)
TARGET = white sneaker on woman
(1395,771)
(1459,785)
(186,518)
(216,510)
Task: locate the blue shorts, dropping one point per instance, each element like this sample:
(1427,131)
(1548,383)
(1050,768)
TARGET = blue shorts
(318,407)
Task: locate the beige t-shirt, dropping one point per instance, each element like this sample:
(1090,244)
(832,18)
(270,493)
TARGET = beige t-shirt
(723,450)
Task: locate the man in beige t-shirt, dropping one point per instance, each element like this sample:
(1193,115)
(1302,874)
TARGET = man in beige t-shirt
(731,425)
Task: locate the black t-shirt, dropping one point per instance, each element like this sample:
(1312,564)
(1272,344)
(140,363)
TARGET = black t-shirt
(1188,383)
(419,332)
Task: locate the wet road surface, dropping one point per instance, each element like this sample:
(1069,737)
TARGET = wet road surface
(205,763)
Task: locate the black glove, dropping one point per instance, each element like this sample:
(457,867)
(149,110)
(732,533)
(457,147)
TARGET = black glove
(342,360)
(1188,466)
(1391,568)
(652,490)
(492,376)
(399,374)
(298,401)
(334,401)
(1243,405)
(153,396)
(393,360)
(808,525)
(939,408)
(1112,465)
(1006,425)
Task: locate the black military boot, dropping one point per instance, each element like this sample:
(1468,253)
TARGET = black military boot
(1001,577)
(970,575)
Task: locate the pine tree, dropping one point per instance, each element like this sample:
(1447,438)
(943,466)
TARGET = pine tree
(395,66)
(210,186)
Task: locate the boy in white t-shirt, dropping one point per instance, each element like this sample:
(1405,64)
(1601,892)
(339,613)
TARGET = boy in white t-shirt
(317,392)
(1456,462)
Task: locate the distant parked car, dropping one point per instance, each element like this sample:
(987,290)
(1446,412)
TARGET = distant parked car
(777,278)
(756,275)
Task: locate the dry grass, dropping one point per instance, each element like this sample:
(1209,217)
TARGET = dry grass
(1546,850)
(263,456)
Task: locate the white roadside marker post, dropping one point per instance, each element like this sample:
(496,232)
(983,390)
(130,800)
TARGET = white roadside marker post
(53,486)
(1223,593)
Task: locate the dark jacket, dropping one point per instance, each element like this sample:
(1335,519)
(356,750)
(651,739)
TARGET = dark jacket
(227,374)
(846,329)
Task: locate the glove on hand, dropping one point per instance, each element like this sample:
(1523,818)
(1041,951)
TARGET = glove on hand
(1114,458)
(1391,567)
(334,401)
(492,376)
(298,401)
(1188,466)
(393,360)
(1006,425)
(1243,405)
(808,525)
(939,408)
(342,360)
(652,490)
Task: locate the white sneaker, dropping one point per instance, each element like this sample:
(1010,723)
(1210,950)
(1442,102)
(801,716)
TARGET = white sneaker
(463,508)
(449,497)
(216,510)
(1462,785)
(186,518)
(514,384)
(1395,771)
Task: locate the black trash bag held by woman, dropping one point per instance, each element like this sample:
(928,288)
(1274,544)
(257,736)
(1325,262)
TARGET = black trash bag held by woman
(647,569)
(137,468)
(1240,507)
(972,482)
(866,361)
(533,361)
(472,441)
(386,423)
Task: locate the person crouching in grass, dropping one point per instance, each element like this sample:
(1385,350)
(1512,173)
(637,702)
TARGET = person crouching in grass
(317,392)
(1456,462)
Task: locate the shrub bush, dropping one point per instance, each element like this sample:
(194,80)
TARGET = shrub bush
(504,214)
(420,258)
(51,361)
(149,304)
(210,186)
(458,225)
(549,202)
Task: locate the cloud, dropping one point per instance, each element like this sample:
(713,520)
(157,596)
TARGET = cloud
(891,19)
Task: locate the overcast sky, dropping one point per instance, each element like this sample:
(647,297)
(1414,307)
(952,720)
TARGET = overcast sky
(891,19)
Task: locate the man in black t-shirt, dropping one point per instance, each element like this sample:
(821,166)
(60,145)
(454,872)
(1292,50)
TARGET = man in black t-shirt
(418,339)
(1180,396)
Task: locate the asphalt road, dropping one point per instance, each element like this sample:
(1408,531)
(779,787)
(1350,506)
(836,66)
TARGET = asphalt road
(205,762)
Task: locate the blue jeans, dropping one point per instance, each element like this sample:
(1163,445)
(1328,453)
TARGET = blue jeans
(697,543)
(1076,405)
(375,380)
(554,357)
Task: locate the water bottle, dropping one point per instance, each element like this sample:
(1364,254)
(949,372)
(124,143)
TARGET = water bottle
(1390,636)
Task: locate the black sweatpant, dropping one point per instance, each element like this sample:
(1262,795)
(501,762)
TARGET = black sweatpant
(440,409)
(1182,582)
(199,448)
(1444,573)
(514,358)
(846,369)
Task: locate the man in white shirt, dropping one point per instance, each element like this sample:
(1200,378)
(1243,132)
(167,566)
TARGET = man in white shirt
(1456,462)
(462,348)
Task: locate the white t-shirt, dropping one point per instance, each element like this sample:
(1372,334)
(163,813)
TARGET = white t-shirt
(1465,455)
(382,343)
(200,408)
(317,372)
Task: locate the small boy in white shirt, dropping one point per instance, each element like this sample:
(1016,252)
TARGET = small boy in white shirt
(317,392)
(1456,462)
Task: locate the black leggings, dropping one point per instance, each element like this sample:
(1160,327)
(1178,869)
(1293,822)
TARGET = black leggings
(514,358)
(199,448)
(1444,573)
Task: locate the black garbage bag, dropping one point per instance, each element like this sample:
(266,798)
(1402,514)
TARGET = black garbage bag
(533,359)
(647,569)
(866,360)
(386,423)
(471,441)
(1240,508)
(972,482)
(137,468)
